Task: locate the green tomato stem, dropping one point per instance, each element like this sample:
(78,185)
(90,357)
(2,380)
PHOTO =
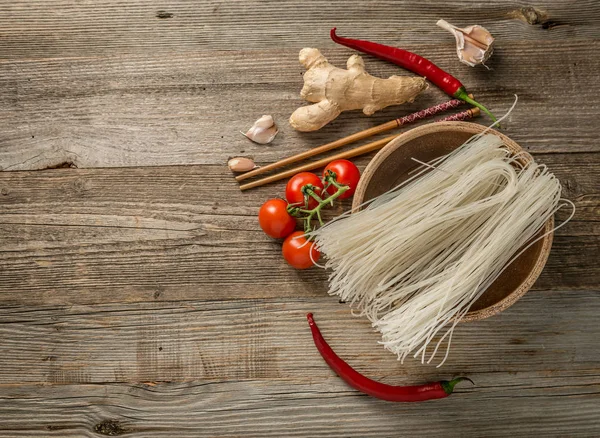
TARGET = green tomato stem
(309,191)
(319,217)
(317,210)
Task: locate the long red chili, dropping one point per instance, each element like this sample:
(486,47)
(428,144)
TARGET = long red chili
(415,63)
(428,391)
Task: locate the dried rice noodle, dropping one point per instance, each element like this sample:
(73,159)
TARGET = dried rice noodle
(417,257)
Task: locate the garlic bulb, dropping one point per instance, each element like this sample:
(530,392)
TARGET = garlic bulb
(263,131)
(474,44)
(241,164)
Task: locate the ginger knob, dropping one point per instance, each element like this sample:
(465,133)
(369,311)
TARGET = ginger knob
(334,90)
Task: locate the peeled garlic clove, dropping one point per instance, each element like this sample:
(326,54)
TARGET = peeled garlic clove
(263,131)
(474,44)
(241,164)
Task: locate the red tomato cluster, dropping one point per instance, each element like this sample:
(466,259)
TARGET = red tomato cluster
(293,190)
(299,252)
(346,173)
(276,221)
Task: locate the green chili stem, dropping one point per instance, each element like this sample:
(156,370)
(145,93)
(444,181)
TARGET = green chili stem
(448,386)
(462,94)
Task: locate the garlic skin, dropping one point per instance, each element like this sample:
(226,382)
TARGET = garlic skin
(263,131)
(474,44)
(241,164)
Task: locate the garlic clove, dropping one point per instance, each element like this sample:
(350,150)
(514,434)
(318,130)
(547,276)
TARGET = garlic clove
(264,122)
(263,131)
(474,44)
(241,164)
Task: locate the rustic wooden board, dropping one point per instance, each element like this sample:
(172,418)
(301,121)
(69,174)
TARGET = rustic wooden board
(145,301)
(502,404)
(182,233)
(189,108)
(245,367)
(45,29)
(546,333)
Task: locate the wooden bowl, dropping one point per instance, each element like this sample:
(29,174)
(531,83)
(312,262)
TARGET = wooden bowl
(393,163)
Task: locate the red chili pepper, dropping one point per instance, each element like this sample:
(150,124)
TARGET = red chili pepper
(415,63)
(428,391)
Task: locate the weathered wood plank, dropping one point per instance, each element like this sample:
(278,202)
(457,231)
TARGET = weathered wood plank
(65,29)
(188,108)
(501,405)
(545,332)
(159,281)
(71,236)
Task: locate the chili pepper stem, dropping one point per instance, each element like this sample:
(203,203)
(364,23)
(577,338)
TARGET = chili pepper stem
(448,386)
(462,94)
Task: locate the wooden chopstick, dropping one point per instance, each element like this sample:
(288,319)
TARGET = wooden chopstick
(369,147)
(411,118)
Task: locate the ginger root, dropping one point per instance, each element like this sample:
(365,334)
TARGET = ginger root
(335,90)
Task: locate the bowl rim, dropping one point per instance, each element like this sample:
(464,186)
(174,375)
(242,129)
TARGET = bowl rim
(471,128)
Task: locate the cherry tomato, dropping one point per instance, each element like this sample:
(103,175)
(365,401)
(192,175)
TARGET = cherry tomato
(293,190)
(346,173)
(298,252)
(275,220)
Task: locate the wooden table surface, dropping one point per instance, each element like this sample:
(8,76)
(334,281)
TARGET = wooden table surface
(138,295)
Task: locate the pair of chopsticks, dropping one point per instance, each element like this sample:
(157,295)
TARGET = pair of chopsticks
(369,147)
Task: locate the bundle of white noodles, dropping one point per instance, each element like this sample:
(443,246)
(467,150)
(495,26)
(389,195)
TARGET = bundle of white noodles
(416,258)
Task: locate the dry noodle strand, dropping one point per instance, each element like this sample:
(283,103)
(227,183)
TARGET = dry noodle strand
(416,258)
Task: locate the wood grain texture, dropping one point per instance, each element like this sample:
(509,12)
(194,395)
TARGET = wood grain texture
(145,301)
(188,108)
(74,236)
(57,29)
(530,405)
(547,332)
